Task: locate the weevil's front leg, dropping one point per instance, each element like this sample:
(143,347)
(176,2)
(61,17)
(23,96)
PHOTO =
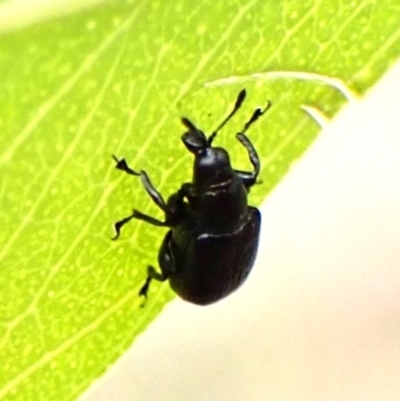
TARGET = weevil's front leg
(249,178)
(173,209)
(154,194)
(123,165)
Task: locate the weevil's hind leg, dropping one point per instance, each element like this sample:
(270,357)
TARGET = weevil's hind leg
(144,290)
(166,262)
(152,274)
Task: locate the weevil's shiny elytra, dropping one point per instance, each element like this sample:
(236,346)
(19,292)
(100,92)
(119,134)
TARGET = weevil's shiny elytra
(213,234)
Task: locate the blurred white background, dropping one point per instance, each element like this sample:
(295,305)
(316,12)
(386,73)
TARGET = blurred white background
(16,14)
(319,317)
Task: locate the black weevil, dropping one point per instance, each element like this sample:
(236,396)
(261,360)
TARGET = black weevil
(213,238)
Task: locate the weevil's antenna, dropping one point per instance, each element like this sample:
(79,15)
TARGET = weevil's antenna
(238,103)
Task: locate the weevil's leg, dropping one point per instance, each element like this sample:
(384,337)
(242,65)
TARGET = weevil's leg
(148,219)
(119,224)
(154,194)
(149,187)
(174,209)
(256,115)
(145,288)
(140,216)
(152,274)
(123,165)
(249,178)
(166,258)
(166,262)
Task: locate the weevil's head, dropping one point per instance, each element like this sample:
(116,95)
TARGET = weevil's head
(212,165)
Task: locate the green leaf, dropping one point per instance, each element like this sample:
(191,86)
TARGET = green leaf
(114,80)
